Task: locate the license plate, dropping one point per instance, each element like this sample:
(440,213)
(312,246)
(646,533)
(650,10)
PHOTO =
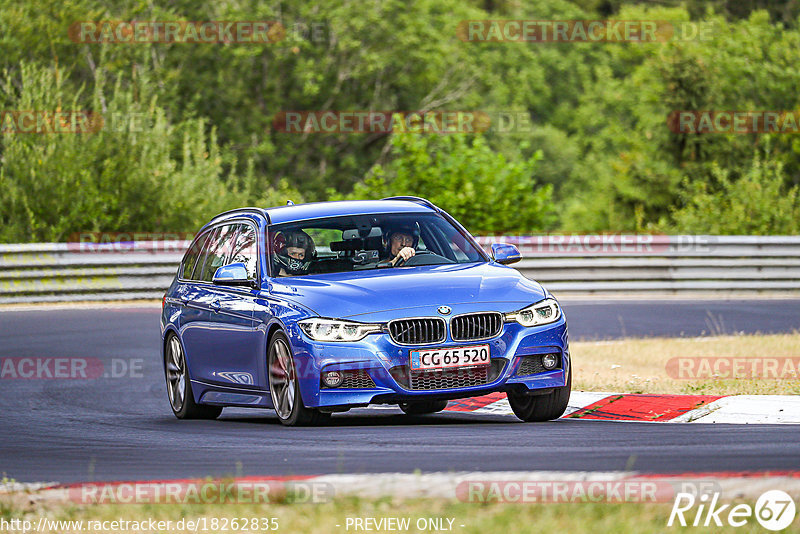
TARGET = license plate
(443,358)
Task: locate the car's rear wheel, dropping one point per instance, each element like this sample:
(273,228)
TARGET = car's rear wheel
(284,387)
(535,408)
(179,387)
(423,407)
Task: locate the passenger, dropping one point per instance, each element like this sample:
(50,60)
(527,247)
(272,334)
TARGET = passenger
(293,252)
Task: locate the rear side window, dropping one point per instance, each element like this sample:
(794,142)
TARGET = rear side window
(192,256)
(219,250)
(244,250)
(213,234)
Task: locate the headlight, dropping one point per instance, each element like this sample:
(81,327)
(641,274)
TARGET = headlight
(543,312)
(333,330)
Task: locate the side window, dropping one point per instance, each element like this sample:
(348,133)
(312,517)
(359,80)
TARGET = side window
(192,256)
(213,234)
(218,251)
(245,251)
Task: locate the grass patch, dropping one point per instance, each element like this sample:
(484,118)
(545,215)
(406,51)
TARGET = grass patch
(639,365)
(324,518)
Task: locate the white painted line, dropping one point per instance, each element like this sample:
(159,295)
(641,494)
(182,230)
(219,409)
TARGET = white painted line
(747,409)
(577,400)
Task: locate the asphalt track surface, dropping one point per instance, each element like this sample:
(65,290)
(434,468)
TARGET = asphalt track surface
(122,428)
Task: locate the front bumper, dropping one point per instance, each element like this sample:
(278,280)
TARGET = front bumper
(385,362)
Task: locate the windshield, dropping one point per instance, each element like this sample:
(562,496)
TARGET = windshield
(366,242)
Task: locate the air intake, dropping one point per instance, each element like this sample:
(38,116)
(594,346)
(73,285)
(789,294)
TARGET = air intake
(476,326)
(419,331)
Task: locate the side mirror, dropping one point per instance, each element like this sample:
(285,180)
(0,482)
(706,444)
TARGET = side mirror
(234,274)
(505,254)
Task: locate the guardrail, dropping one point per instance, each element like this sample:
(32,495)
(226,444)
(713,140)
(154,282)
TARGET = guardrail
(641,264)
(56,272)
(569,264)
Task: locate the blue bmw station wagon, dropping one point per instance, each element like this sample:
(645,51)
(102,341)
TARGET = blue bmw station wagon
(318,308)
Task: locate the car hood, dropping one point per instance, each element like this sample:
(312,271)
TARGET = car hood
(386,294)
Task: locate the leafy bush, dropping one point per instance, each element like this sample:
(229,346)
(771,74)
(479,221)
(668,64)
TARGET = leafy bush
(479,187)
(759,203)
(140,172)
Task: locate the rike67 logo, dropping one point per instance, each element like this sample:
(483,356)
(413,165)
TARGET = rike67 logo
(774,510)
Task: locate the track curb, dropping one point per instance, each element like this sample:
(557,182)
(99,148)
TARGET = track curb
(657,408)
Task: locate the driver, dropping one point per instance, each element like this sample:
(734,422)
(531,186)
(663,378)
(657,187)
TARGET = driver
(293,252)
(399,244)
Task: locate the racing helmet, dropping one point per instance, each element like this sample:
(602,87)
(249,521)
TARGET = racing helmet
(281,244)
(389,231)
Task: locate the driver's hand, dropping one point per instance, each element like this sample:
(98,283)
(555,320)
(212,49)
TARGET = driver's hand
(404,254)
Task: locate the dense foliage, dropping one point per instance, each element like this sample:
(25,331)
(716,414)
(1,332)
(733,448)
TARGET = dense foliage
(189,128)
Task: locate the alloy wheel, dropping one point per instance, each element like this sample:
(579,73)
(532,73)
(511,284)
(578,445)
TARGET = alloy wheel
(176,374)
(282,379)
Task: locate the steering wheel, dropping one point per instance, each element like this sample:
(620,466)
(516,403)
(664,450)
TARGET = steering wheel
(410,261)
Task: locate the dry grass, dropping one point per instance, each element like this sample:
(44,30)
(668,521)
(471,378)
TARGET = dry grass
(640,365)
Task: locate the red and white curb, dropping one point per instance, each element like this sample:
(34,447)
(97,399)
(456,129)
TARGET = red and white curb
(737,409)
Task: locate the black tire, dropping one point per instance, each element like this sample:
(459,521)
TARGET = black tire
(538,408)
(423,407)
(179,386)
(283,387)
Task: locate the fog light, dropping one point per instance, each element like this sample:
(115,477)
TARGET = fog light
(549,361)
(332,379)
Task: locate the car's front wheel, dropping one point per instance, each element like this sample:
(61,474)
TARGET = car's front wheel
(179,387)
(423,407)
(284,387)
(534,408)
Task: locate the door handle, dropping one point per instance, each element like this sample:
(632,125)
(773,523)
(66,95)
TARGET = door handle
(174,300)
(215,306)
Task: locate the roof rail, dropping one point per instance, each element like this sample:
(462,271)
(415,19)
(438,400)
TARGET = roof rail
(260,211)
(418,200)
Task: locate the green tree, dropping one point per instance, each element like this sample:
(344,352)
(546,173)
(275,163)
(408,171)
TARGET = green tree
(463,175)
